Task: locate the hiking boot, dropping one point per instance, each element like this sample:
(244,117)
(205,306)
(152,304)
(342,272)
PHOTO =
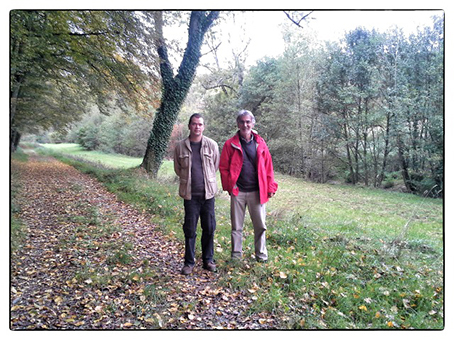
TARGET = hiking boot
(209,266)
(187,269)
(260,260)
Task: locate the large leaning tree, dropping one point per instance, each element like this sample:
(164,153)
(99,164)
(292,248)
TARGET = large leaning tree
(174,87)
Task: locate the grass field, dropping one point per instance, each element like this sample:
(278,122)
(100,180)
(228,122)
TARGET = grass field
(339,256)
(109,160)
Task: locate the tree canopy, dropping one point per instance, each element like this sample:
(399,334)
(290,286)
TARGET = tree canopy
(63,60)
(366,110)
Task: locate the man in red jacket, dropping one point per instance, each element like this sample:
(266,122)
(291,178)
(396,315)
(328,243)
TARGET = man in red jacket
(247,174)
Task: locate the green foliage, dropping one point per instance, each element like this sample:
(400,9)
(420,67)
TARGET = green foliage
(116,133)
(121,257)
(339,256)
(17,227)
(352,111)
(175,88)
(63,60)
(108,160)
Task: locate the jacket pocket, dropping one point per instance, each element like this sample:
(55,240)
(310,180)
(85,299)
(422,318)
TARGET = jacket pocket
(183,190)
(212,187)
(210,167)
(184,161)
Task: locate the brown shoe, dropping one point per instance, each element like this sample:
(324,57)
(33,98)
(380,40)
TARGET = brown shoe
(209,266)
(187,269)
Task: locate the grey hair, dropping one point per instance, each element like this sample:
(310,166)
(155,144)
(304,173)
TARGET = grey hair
(245,113)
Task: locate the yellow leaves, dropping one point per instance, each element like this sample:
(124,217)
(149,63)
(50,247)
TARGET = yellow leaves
(16,307)
(58,300)
(325,284)
(282,275)
(159,319)
(301,262)
(304,287)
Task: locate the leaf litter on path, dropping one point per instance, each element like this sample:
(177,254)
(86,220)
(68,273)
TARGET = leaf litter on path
(90,261)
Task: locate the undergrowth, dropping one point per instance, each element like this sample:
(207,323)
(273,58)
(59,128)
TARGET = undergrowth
(342,269)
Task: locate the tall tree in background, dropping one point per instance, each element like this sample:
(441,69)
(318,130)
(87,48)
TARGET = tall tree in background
(61,60)
(174,87)
(361,50)
(420,137)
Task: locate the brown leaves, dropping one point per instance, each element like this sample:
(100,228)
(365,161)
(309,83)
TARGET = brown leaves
(92,262)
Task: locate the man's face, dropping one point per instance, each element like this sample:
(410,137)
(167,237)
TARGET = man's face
(196,127)
(245,125)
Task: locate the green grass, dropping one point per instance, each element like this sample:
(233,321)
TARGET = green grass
(360,212)
(17,228)
(339,256)
(108,160)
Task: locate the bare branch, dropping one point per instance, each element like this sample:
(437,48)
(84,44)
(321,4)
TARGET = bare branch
(298,22)
(222,86)
(213,49)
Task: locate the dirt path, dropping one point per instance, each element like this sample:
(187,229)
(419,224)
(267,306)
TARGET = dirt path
(90,261)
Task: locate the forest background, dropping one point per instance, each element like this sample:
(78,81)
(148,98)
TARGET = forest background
(367,109)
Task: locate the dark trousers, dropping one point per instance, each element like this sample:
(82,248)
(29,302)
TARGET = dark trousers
(192,210)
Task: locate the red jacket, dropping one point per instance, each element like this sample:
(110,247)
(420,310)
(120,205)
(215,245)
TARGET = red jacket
(232,161)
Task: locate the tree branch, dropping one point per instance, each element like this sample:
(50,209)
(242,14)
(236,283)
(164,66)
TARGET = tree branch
(298,22)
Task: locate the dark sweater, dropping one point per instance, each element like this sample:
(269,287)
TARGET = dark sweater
(197,181)
(248,180)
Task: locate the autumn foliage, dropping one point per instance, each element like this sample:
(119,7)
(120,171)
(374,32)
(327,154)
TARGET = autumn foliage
(92,258)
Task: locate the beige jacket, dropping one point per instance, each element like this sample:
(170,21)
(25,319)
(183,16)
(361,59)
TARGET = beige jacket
(182,162)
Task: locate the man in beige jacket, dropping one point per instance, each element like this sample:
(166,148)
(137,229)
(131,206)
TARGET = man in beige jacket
(196,160)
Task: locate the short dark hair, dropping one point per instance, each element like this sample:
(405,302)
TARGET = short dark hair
(195,115)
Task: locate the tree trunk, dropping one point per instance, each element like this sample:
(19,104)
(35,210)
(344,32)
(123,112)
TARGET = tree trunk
(174,89)
(381,177)
(404,166)
(14,139)
(14,134)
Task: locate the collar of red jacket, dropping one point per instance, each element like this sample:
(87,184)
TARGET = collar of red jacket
(236,138)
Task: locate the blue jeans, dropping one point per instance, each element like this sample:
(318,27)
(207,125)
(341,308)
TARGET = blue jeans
(194,209)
